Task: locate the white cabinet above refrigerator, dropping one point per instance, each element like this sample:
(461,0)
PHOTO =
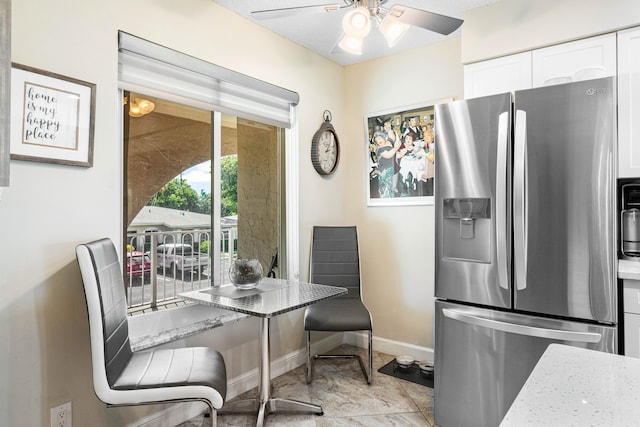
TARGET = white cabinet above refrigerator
(505,74)
(629,103)
(594,57)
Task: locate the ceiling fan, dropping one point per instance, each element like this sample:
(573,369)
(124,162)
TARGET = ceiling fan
(393,22)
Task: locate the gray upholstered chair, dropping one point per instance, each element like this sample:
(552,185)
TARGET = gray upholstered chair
(335,261)
(125,377)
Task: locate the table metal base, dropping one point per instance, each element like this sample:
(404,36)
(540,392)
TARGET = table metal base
(270,406)
(264,404)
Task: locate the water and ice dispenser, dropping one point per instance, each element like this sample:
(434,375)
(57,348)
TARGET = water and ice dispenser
(467,229)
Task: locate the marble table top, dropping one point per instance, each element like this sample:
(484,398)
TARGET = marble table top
(270,298)
(572,386)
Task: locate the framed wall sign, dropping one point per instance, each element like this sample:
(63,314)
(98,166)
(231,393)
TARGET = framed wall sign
(52,117)
(400,155)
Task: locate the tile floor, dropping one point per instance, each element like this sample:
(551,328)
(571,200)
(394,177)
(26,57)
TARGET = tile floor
(339,386)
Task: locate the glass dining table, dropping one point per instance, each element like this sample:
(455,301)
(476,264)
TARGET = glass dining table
(270,298)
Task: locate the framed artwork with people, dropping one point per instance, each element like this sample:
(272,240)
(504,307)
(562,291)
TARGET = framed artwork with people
(400,155)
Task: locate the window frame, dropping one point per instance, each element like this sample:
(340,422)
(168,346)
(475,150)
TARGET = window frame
(289,264)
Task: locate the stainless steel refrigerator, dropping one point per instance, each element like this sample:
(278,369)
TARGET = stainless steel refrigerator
(525,240)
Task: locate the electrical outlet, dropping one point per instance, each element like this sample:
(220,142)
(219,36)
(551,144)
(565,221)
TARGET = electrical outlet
(61,415)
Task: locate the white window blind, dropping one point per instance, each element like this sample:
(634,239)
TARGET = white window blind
(156,70)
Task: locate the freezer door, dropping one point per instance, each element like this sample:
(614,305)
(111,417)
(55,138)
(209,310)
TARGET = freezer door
(483,357)
(564,200)
(472,199)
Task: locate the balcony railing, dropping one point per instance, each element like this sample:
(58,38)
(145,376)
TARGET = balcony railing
(153,278)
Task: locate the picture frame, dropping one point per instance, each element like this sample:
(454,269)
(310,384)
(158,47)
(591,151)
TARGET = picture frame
(52,117)
(402,173)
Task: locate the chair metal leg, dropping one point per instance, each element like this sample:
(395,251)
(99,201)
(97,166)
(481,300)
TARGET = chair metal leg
(210,419)
(309,359)
(370,377)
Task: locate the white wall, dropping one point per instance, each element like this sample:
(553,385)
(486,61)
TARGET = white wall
(511,26)
(49,209)
(396,243)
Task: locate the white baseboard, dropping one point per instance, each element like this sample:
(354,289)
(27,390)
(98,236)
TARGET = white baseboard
(181,412)
(173,415)
(395,348)
(249,380)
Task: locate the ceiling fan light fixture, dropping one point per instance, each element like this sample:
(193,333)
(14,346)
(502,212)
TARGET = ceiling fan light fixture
(351,44)
(393,21)
(392,29)
(357,23)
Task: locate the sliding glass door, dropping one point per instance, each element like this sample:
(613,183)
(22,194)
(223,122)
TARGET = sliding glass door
(200,189)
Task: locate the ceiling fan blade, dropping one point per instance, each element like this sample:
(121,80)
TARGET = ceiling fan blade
(431,21)
(336,48)
(292,11)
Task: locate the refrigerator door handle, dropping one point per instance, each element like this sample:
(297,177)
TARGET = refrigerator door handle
(501,201)
(514,328)
(520,200)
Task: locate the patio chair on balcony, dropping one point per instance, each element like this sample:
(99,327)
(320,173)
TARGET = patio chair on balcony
(125,377)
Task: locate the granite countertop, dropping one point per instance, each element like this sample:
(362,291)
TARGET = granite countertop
(571,386)
(161,327)
(628,269)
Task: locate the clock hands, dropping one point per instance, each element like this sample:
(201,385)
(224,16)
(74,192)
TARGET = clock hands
(329,146)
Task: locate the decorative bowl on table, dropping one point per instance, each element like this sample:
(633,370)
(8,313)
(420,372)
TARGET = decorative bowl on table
(245,273)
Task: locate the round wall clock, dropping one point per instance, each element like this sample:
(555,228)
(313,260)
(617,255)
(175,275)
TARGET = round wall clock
(325,147)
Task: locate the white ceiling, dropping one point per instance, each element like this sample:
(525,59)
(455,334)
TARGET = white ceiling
(320,31)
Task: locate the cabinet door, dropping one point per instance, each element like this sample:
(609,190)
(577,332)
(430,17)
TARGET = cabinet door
(506,74)
(631,304)
(629,103)
(631,296)
(596,55)
(632,335)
